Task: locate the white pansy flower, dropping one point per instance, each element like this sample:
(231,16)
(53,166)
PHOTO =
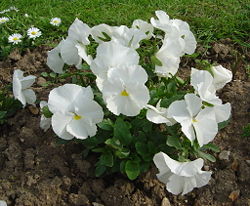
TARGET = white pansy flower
(55,21)
(202,81)
(180,177)
(111,55)
(221,76)
(159,115)
(4,20)
(125,91)
(15,38)
(181,30)
(75,113)
(195,122)
(144,26)
(21,87)
(45,122)
(163,21)
(97,32)
(169,56)
(72,49)
(34,32)
(177,29)
(3,203)
(129,37)
(79,32)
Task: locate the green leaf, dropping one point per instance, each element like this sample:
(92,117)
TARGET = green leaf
(156,61)
(114,143)
(122,166)
(44,74)
(106,124)
(174,141)
(107,159)
(52,74)
(46,112)
(123,153)
(209,157)
(222,125)
(167,101)
(122,131)
(142,124)
(3,114)
(211,146)
(99,170)
(143,150)
(132,169)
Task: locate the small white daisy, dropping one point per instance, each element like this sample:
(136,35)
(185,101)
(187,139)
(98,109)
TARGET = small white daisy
(55,21)
(3,20)
(15,38)
(26,15)
(34,32)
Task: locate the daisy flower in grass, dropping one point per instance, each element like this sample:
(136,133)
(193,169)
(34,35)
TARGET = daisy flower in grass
(34,32)
(55,21)
(4,20)
(15,38)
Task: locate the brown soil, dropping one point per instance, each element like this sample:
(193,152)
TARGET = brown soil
(36,170)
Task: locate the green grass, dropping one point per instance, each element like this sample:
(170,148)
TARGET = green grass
(210,20)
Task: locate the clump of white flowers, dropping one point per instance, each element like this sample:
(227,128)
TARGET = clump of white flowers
(55,21)
(124,85)
(15,38)
(33,33)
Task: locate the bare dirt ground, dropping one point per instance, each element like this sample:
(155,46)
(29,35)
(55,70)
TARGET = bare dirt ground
(36,170)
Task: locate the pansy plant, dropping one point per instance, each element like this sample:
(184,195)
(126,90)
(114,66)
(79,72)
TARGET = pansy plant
(137,108)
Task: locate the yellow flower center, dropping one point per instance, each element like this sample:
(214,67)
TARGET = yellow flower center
(55,21)
(77,117)
(15,38)
(124,93)
(33,32)
(194,121)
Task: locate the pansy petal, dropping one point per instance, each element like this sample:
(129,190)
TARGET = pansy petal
(69,52)
(194,104)
(27,81)
(202,178)
(79,31)
(205,126)
(175,184)
(222,112)
(54,60)
(221,76)
(45,123)
(81,128)
(61,98)
(83,53)
(187,129)
(59,123)
(178,111)
(29,95)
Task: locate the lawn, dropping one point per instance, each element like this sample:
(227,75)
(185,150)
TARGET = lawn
(209,20)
